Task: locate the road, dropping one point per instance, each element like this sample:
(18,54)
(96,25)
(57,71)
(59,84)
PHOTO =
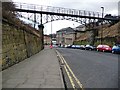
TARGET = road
(93,69)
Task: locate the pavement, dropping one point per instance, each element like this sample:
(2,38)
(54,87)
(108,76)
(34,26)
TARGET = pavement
(41,70)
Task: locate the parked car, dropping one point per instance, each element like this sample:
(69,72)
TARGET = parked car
(90,47)
(75,46)
(104,48)
(116,49)
(69,46)
(82,47)
(61,46)
(66,46)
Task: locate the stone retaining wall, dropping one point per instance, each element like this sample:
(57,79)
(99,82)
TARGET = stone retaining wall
(18,44)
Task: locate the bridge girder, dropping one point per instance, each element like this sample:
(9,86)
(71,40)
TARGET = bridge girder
(45,14)
(50,18)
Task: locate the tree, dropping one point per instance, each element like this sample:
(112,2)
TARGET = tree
(7,10)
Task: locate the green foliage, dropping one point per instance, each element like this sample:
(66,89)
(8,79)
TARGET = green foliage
(84,42)
(7,11)
(109,41)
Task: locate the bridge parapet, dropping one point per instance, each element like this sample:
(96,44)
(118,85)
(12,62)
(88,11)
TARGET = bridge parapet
(57,10)
(59,13)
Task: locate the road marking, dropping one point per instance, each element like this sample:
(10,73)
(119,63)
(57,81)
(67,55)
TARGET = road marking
(78,82)
(70,78)
(67,69)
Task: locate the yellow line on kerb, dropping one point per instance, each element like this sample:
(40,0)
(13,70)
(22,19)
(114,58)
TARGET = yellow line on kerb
(78,82)
(70,78)
(63,61)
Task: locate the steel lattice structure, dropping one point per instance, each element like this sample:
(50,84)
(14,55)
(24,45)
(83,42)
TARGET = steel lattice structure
(43,14)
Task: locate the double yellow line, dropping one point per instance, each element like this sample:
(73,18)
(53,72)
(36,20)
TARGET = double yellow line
(69,71)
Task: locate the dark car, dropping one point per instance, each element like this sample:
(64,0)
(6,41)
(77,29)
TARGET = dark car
(75,46)
(90,47)
(104,48)
(116,49)
(68,46)
(82,47)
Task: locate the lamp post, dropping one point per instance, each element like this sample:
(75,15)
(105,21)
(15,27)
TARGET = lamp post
(51,29)
(75,32)
(102,24)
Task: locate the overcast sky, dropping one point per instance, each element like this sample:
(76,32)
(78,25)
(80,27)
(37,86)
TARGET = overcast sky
(110,6)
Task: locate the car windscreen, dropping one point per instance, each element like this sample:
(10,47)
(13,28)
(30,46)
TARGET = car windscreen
(106,46)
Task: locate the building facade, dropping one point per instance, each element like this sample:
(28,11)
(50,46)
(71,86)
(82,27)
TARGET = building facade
(65,36)
(47,40)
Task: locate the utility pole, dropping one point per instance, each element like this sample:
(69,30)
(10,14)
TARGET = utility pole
(41,27)
(102,25)
(51,29)
(75,32)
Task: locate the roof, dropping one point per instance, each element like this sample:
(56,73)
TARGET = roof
(66,30)
(80,26)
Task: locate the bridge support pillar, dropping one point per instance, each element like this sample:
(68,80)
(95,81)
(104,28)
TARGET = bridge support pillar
(41,27)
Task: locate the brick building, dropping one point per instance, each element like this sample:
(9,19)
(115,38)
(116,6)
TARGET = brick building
(65,36)
(47,39)
(68,35)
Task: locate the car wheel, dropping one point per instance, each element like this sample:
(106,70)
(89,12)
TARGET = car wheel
(103,50)
(97,50)
(113,52)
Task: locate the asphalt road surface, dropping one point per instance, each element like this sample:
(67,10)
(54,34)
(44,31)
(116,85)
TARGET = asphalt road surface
(93,69)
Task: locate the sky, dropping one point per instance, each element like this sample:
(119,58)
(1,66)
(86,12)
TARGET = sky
(110,6)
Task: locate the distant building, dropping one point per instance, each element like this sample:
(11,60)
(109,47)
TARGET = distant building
(47,39)
(52,36)
(68,35)
(65,36)
(80,28)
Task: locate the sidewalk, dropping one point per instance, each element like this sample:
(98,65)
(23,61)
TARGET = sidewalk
(39,71)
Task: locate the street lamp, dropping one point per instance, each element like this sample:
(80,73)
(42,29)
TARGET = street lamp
(102,11)
(102,23)
(75,31)
(51,29)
